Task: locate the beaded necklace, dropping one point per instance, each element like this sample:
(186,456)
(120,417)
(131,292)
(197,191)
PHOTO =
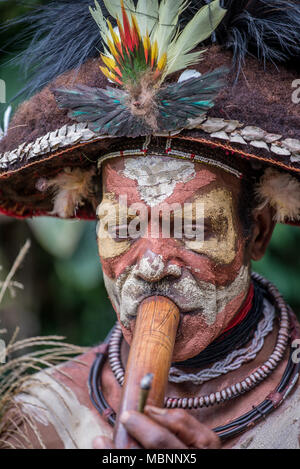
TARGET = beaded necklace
(237,426)
(231,362)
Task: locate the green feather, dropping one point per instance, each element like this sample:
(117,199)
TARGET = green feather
(167,25)
(196,31)
(179,102)
(114,7)
(147,15)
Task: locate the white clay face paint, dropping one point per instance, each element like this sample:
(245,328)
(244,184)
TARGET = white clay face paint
(154,269)
(157,176)
(189,294)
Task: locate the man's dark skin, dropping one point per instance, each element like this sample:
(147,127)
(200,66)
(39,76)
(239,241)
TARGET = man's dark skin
(177,428)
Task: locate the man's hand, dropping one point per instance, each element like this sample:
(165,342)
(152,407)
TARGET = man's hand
(164,429)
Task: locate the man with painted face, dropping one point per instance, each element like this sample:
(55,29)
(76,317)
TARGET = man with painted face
(187,177)
(207,279)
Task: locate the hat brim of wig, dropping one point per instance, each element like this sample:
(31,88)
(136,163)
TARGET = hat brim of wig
(20,198)
(244,125)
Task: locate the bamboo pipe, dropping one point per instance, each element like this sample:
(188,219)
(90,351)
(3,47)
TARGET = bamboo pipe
(151,351)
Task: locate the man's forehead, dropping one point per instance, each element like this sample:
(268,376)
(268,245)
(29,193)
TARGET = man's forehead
(158,179)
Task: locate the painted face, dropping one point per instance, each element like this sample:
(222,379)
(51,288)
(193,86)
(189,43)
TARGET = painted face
(148,246)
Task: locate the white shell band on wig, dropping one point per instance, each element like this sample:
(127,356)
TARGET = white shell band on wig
(169,151)
(282,192)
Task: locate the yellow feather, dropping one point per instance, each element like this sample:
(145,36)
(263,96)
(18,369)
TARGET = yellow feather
(154,53)
(147,43)
(162,61)
(112,49)
(109,74)
(135,25)
(109,62)
(147,47)
(105,71)
(114,35)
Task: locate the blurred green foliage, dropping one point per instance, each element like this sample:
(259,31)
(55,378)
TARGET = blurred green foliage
(281,263)
(64,291)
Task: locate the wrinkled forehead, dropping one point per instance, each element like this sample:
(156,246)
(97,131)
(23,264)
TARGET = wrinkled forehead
(158,179)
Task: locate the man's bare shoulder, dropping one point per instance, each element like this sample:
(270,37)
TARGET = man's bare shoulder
(54,409)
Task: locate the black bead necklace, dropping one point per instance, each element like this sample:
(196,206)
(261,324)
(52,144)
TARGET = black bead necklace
(241,424)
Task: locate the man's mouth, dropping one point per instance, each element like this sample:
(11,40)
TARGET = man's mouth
(184,308)
(192,297)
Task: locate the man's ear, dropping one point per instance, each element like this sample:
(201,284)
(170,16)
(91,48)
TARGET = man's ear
(263,227)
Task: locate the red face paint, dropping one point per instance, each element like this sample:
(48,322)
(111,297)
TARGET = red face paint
(209,285)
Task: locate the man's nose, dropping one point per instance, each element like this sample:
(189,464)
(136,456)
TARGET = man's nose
(152,268)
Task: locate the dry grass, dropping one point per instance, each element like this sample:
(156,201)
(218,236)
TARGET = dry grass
(16,374)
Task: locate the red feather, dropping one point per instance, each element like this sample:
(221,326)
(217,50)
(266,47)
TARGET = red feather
(127,29)
(135,32)
(122,36)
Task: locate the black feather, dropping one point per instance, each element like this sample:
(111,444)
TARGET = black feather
(108,111)
(105,110)
(63,34)
(267,29)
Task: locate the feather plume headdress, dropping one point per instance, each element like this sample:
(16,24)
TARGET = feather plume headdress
(144,49)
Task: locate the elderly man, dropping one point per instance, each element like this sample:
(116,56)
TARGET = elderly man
(187,178)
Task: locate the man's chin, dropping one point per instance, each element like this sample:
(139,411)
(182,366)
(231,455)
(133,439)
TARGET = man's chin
(197,328)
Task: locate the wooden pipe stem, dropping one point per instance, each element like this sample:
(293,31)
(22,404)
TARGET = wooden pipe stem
(151,351)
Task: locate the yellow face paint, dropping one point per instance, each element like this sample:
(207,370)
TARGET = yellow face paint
(220,235)
(111,214)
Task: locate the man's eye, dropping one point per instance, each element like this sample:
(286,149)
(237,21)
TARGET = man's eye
(119,232)
(198,231)
(128,231)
